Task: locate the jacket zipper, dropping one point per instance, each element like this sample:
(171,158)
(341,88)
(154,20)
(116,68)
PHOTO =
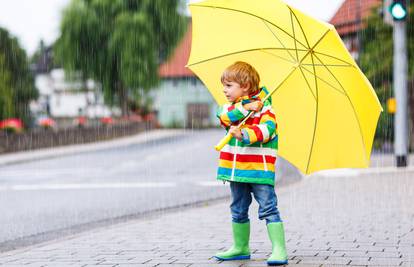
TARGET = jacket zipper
(234,161)
(264,159)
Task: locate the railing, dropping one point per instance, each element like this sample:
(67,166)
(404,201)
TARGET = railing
(44,138)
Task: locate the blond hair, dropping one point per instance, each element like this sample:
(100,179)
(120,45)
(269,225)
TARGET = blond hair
(243,74)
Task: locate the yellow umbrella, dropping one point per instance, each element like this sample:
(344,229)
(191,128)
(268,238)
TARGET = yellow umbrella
(326,109)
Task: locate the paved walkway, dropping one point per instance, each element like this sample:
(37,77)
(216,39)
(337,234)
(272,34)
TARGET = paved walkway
(359,220)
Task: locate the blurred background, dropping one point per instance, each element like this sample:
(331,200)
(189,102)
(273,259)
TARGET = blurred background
(75,72)
(87,64)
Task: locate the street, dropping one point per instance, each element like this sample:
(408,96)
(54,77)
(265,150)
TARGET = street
(44,199)
(53,194)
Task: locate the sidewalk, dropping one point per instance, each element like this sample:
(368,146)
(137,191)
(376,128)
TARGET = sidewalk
(364,220)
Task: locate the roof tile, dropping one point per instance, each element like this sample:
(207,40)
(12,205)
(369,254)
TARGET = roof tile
(174,67)
(345,19)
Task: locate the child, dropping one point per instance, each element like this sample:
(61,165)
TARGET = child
(248,161)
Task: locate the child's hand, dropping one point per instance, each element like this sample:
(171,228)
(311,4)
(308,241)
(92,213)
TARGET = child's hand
(236,132)
(254,106)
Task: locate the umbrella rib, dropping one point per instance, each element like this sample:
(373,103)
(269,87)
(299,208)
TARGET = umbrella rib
(280,84)
(324,81)
(300,25)
(352,105)
(348,64)
(242,51)
(267,96)
(330,65)
(309,87)
(316,117)
(285,59)
(314,51)
(311,50)
(278,39)
(253,15)
(294,36)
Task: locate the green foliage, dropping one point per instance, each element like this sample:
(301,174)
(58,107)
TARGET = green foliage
(6,99)
(16,82)
(119,42)
(376,61)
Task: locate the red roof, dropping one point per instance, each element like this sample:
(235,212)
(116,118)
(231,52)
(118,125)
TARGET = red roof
(174,67)
(345,19)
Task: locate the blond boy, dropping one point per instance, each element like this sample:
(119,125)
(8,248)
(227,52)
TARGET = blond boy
(248,161)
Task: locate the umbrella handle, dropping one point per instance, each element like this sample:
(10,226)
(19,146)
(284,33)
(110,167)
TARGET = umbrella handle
(228,137)
(223,142)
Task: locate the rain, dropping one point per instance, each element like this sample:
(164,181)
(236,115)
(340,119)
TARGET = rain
(110,116)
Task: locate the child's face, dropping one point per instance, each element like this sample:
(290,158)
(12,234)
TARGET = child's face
(234,91)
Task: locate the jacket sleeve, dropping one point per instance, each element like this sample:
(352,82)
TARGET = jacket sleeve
(229,114)
(263,131)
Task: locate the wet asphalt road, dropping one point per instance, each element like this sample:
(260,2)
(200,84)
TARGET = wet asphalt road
(44,199)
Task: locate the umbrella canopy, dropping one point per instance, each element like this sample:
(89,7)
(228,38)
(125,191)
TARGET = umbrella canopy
(326,109)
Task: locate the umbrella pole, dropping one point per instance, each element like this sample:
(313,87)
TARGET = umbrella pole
(228,136)
(226,139)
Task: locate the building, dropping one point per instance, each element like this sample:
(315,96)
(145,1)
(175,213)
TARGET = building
(182,100)
(64,98)
(349,20)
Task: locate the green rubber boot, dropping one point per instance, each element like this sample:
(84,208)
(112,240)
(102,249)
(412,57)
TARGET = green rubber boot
(277,237)
(240,249)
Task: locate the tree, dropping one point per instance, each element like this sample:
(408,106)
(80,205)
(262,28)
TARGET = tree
(119,43)
(6,97)
(16,82)
(376,60)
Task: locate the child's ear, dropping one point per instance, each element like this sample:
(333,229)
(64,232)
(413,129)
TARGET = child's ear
(245,87)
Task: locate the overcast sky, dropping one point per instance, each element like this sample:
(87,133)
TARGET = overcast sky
(33,20)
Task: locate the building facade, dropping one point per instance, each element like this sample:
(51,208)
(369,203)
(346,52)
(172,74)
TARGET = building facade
(64,98)
(182,100)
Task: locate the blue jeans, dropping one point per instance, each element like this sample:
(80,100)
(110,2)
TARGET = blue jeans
(241,199)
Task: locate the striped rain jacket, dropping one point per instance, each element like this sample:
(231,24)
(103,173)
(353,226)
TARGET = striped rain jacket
(253,159)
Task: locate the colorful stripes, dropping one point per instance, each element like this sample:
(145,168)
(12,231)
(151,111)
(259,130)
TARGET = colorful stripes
(229,114)
(253,159)
(262,132)
(248,158)
(247,176)
(247,173)
(273,143)
(247,165)
(271,150)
